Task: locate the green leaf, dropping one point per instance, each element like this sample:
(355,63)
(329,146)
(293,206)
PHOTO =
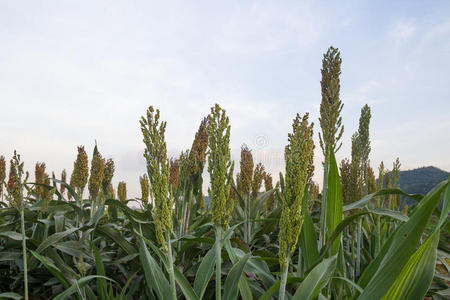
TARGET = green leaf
(244,288)
(12,235)
(97,216)
(153,274)
(416,276)
(445,208)
(117,238)
(334,203)
(79,284)
(379,275)
(313,283)
(10,295)
(232,281)
(52,268)
(100,270)
(54,238)
(308,236)
(391,191)
(390,213)
(183,283)
(205,272)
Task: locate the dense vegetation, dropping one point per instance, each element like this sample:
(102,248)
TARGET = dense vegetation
(253,240)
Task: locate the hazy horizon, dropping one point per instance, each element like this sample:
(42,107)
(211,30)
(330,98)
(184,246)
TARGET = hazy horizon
(78,72)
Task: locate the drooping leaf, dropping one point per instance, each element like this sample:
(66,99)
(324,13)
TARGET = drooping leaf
(315,280)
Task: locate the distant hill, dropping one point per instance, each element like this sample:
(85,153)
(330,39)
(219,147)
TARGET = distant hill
(421,180)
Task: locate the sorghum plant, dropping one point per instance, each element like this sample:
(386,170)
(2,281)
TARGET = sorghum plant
(158,169)
(330,119)
(220,170)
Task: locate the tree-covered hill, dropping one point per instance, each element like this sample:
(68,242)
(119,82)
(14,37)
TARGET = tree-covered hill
(421,180)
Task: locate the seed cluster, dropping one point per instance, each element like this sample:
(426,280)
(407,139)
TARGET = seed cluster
(297,156)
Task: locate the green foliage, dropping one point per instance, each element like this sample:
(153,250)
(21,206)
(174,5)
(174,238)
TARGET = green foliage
(57,244)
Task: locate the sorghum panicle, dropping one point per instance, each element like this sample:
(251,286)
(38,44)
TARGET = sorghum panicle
(298,158)
(331,105)
(81,169)
(246,173)
(15,184)
(2,173)
(40,175)
(197,155)
(174,174)
(107,177)
(63,179)
(158,171)
(258,176)
(72,185)
(268,185)
(97,173)
(219,166)
(122,191)
(145,188)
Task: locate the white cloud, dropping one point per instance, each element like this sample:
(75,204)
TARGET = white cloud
(402,31)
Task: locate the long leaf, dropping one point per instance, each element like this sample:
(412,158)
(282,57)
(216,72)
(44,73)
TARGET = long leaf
(100,269)
(334,203)
(205,272)
(153,274)
(416,276)
(308,237)
(232,281)
(79,284)
(54,238)
(379,275)
(313,283)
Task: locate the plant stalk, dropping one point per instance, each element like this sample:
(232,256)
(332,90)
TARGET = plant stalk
(284,272)
(358,248)
(218,262)
(323,212)
(171,271)
(24,252)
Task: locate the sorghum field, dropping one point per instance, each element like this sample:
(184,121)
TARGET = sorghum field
(253,235)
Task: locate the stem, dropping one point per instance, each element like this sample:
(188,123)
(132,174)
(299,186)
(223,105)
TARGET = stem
(171,272)
(218,262)
(24,252)
(323,213)
(299,262)
(245,220)
(358,248)
(249,233)
(284,272)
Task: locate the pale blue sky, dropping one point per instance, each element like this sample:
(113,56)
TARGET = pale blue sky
(75,71)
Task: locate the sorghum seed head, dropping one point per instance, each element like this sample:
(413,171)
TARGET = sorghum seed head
(39,175)
(97,172)
(174,174)
(63,179)
(246,173)
(158,171)
(219,165)
(298,158)
(258,176)
(197,155)
(145,188)
(81,169)
(268,185)
(2,173)
(15,184)
(122,191)
(72,185)
(107,176)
